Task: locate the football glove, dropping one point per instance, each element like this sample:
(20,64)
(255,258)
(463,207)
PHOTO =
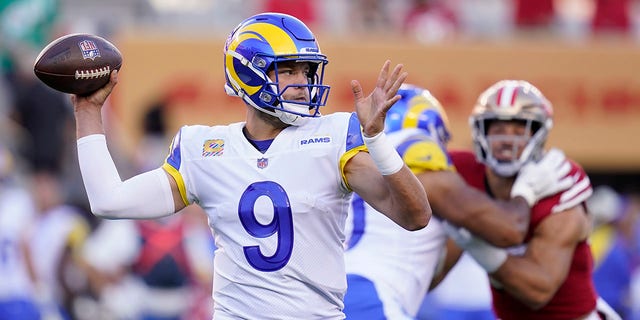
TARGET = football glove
(538,180)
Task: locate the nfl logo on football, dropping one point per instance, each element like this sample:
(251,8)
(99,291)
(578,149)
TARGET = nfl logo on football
(263,163)
(89,49)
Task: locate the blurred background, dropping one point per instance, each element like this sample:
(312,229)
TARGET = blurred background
(584,55)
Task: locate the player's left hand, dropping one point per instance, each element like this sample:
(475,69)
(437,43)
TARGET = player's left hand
(373,108)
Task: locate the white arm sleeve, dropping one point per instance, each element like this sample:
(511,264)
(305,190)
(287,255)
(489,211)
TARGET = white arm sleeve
(145,196)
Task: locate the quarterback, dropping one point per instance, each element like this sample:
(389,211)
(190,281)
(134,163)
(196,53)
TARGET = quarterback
(275,187)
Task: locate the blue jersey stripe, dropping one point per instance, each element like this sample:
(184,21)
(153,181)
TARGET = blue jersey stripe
(354,134)
(174,159)
(357,206)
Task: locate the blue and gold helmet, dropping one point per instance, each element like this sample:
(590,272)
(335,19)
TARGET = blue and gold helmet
(255,47)
(418,109)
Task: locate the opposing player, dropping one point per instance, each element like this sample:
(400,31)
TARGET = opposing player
(276,187)
(549,275)
(388,268)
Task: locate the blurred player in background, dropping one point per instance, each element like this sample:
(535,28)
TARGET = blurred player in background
(275,188)
(549,276)
(157,269)
(56,240)
(615,245)
(17,294)
(389,269)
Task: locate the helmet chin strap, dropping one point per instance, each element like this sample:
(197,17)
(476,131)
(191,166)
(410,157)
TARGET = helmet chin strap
(290,117)
(512,168)
(284,116)
(504,170)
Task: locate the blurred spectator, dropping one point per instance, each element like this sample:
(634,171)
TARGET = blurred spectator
(371,17)
(611,16)
(430,21)
(155,270)
(44,114)
(304,10)
(534,14)
(615,243)
(485,19)
(46,118)
(16,215)
(25,25)
(56,239)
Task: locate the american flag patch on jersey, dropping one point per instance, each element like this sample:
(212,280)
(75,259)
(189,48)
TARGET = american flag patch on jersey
(213,148)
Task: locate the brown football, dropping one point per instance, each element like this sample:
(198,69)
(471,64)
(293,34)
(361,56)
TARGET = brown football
(77,63)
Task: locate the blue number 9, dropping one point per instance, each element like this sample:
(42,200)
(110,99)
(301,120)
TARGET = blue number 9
(359,220)
(282,224)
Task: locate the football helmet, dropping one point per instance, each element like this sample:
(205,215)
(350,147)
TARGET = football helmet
(511,100)
(255,47)
(418,109)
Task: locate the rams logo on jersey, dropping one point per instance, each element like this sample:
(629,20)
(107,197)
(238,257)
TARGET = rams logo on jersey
(316,140)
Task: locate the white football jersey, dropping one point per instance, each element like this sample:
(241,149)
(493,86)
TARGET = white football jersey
(56,230)
(400,263)
(16,216)
(277,218)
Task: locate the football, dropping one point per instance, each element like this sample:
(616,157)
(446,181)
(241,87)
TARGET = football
(77,63)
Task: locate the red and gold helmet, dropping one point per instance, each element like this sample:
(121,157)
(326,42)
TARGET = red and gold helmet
(511,100)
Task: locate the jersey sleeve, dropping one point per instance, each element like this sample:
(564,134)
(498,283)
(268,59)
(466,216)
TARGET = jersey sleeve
(172,165)
(354,143)
(423,154)
(469,168)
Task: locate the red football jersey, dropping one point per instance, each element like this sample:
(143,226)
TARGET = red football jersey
(577,295)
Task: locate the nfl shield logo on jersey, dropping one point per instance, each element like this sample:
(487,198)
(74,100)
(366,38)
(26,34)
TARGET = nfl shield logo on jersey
(263,163)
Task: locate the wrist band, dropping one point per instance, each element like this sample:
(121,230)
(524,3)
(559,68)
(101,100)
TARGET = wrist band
(383,154)
(488,257)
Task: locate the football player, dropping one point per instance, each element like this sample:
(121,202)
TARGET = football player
(17,215)
(56,239)
(275,187)
(389,269)
(549,276)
